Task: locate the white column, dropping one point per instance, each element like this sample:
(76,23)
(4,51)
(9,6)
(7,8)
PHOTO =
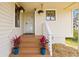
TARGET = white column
(50,44)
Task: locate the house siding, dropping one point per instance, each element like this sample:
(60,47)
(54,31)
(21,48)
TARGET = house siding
(7,27)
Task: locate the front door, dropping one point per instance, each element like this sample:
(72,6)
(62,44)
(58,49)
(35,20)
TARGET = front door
(29,23)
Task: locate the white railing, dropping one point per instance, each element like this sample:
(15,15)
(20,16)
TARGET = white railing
(48,33)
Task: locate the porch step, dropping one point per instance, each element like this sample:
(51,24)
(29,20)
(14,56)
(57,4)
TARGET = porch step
(29,50)
(28,40)
(32,55)
(32,51)
(30,47)
(23,49)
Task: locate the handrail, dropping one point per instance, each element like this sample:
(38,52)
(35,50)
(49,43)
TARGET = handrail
(48,34)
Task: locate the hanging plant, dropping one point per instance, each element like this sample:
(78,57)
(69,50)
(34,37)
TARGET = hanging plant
(41,11)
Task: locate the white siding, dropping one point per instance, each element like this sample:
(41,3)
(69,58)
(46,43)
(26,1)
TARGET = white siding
(7,27)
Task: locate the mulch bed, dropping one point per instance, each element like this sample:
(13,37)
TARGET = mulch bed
(61,50)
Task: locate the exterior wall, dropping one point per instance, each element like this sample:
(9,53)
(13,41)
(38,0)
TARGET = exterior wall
(7,27)
(60,28)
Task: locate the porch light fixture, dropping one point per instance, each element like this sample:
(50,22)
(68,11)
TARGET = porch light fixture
(41,10)
(21,9)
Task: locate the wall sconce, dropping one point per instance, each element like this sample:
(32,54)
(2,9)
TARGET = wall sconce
(21,9)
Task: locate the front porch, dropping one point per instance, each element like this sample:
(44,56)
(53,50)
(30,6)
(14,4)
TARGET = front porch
(55,22)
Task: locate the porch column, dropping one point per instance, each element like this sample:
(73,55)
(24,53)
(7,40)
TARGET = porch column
(50,45)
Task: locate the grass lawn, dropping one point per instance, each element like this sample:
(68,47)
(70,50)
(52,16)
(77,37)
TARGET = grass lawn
(73,42)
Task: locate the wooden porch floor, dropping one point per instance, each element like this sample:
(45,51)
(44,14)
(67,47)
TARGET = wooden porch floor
(30,47)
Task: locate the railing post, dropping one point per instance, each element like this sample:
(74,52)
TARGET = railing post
(50,44)
(48,34)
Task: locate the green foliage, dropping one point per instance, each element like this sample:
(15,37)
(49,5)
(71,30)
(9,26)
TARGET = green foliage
(73,41)
(75,34)
(70,41)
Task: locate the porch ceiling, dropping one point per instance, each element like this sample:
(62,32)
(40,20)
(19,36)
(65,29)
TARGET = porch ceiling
(46,5)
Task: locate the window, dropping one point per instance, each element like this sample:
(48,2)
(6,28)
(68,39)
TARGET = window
(17,16)
(50,15)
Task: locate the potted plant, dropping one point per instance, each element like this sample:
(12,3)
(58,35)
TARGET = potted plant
(43,44)
(43,50)
(15,49)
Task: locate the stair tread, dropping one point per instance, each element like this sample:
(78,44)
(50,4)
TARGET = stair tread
(23,41)
(32,55)
(32,51)
(28,48)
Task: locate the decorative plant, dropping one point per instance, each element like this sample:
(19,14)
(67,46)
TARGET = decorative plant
(43,40)
(43,43)
(16,42)
(41,10)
